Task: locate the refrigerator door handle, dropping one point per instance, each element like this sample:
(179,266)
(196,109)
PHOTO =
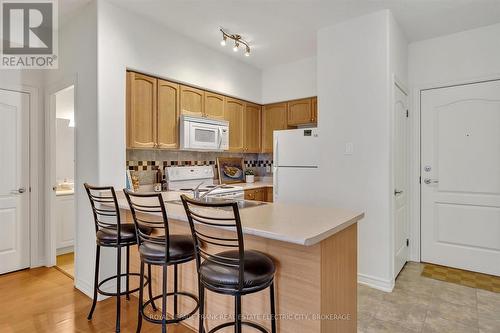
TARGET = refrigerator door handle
(275,169)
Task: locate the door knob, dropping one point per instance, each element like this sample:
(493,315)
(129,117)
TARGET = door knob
(396,192)
(430,181)
(20,190)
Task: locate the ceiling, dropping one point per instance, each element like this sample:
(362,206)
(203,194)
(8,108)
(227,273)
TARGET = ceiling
(281,31)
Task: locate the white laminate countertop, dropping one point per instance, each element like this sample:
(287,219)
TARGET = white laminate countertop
(256,184)
(293,223)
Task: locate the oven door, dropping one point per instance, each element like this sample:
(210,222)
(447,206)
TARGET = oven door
(204,136)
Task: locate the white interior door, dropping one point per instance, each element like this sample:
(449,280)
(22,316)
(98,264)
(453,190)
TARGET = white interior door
(401,174)
(14,181)
(461,177)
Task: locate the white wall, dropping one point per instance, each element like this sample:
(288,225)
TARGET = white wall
(289,81)
(463,57)
(354,68)
(78,59)
(126,40)
(65,151)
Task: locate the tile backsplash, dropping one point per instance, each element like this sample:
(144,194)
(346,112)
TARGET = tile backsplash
(145,162)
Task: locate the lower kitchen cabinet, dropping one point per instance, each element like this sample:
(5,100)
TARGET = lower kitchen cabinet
(260,194)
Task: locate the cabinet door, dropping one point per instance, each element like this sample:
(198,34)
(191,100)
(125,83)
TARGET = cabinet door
(192,101)
(300,112)
(141,111)
(250,194)
(269,194)
(234,113)
(168,115)
(214,105)
(65,220)
(314,103)
(274,118)
(260,194)
(252,131)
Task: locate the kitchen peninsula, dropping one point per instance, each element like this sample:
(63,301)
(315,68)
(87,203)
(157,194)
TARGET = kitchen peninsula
(315,250)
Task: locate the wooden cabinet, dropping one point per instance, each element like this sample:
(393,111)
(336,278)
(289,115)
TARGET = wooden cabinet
(274,117)
(264,194)
(141,111)
(314,103)
(168,115)
(234,114)
(192,101)
(214,105)
(269,194)
(252,129)
(154,106)
(300,112)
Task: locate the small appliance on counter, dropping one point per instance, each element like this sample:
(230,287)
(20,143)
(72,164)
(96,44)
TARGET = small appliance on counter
(295,165)
(189,178)
(203,134)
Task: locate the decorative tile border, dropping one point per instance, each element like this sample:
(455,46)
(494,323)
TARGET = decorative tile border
(155,165)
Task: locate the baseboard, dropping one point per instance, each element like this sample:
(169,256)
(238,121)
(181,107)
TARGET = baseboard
(65,250)
(376,283)
(84,287)
(88,290)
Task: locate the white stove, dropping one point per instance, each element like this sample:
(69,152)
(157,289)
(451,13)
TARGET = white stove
(187,178)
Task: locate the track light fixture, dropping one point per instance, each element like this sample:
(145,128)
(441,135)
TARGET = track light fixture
(237,41)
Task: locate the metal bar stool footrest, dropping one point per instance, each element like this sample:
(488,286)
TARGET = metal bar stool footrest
(107,293)
(243,323)
(175,320)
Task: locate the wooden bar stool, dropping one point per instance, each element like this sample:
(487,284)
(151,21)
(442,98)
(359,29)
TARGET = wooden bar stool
(162,249)
(110,232)
(235,272)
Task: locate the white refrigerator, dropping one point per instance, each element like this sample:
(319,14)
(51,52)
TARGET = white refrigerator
(296,165)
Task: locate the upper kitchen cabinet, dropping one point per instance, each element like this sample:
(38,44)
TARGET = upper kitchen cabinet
(234,114)
(300,112)
(192,101)
(252,130)
(168,115)
(214,105)
(141,111)
(274,117)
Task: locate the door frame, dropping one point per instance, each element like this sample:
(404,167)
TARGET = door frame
(416,156)
(35,167)
(50,116)
(398,84)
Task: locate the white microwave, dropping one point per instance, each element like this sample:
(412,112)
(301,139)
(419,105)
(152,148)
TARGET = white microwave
(203,134)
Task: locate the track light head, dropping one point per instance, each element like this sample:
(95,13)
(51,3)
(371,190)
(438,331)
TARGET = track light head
(237,41)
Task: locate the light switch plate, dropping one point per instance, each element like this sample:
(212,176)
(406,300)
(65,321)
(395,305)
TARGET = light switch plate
(349,148)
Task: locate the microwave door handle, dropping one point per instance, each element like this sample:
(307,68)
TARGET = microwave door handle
(220,137)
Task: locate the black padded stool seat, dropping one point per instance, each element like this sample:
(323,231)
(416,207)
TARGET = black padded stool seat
(181,248)
(109,235)
(259,270)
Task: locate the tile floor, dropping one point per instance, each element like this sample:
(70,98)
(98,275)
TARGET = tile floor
(420,304)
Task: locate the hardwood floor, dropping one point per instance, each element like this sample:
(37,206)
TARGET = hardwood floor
(66,264)
(44,300)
